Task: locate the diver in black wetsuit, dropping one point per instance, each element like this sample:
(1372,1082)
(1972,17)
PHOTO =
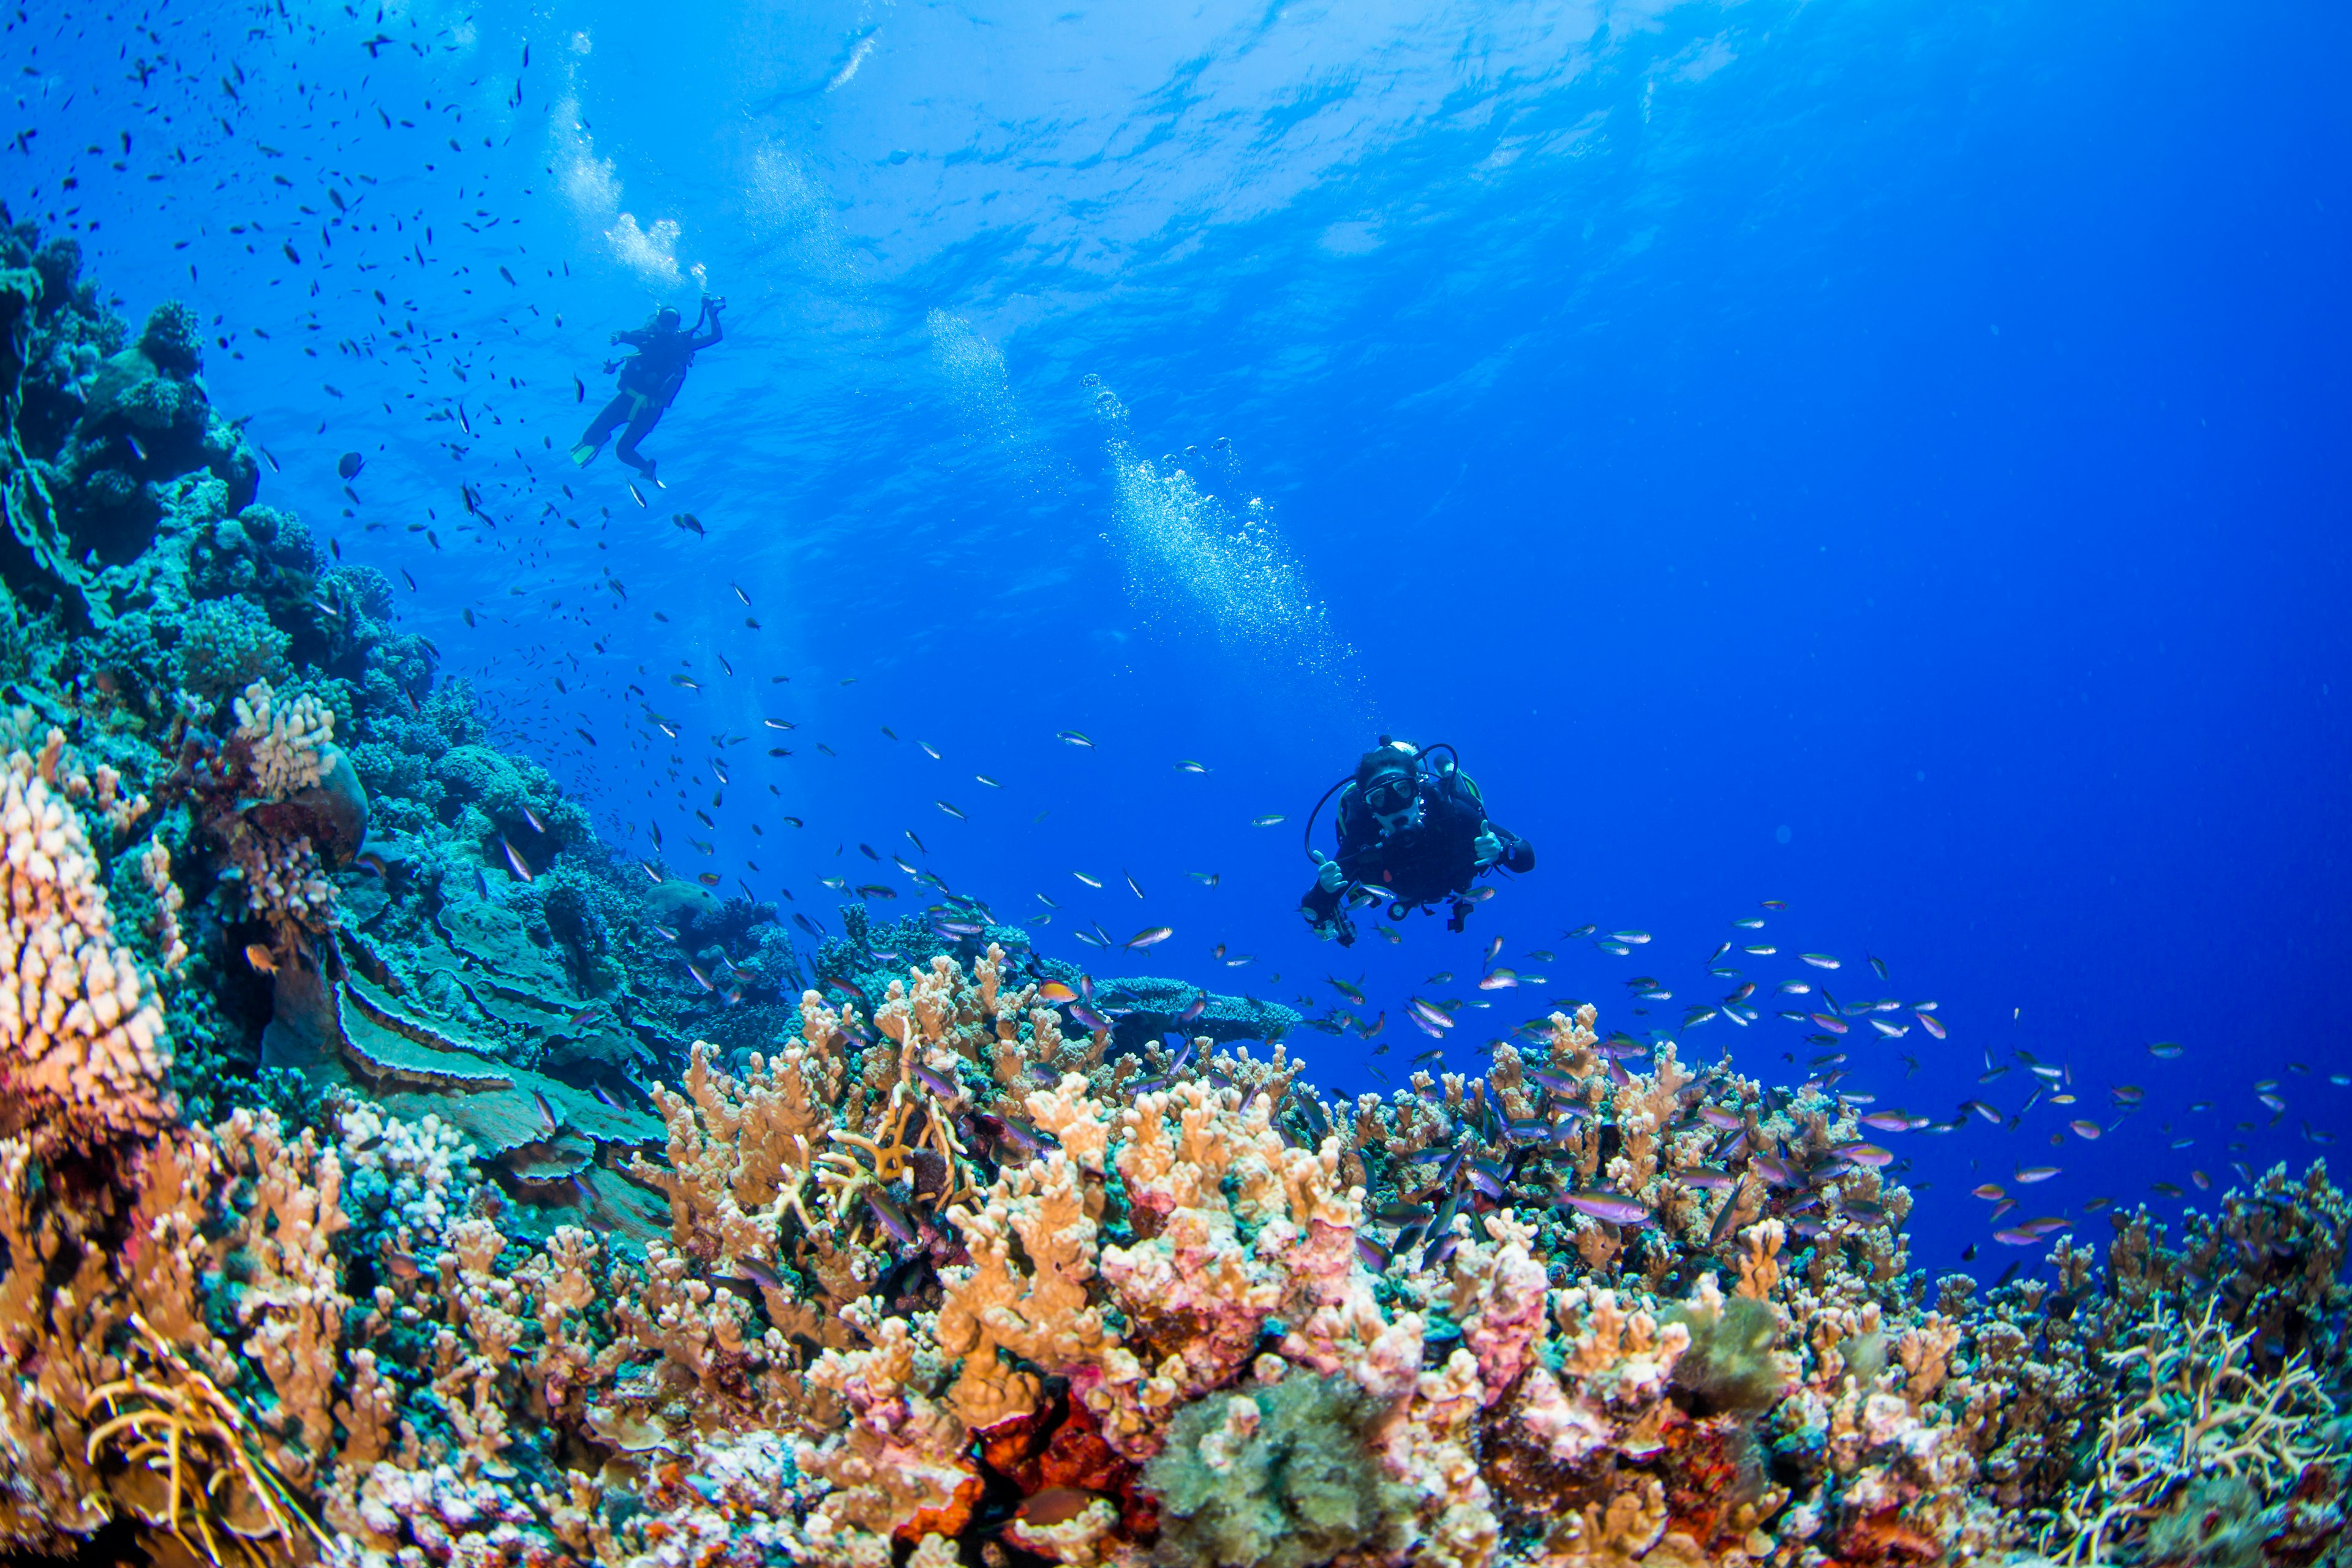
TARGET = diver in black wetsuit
(649,381)
(1413,830)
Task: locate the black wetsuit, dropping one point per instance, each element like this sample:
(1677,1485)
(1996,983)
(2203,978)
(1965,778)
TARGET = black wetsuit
(648,384)
(1424,864)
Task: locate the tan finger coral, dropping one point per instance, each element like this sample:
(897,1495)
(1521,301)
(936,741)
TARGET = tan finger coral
(1038,1314)
(283,880)
(155,870)
(83,1038)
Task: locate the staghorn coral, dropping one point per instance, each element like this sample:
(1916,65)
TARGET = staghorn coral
(2196,1407)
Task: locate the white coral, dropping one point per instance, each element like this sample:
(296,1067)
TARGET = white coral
(292,746)
(155,869)
(283,880)
(418,1160)
(78,1022)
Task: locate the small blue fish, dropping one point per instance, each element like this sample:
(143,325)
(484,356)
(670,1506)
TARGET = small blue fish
(1614,1207)
(894,1218)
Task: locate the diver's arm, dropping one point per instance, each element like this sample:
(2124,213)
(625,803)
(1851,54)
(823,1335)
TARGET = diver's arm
(710,310)
(1323,901)
(1510,851)
(635,340)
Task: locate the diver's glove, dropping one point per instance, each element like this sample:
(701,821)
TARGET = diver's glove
(1328,875)
(1331,928)
(1488,847)
(614,339)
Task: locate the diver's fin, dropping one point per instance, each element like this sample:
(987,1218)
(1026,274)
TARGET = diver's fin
(585,453)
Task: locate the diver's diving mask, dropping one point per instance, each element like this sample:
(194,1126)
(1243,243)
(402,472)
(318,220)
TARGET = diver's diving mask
(1395,801)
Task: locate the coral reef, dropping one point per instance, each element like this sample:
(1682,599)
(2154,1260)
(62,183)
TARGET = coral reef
(460,1198)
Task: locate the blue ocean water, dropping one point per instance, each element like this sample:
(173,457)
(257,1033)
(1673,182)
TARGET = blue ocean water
(1887,458)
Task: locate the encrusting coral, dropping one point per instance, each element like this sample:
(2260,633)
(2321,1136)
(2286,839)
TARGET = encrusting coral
(463,1199)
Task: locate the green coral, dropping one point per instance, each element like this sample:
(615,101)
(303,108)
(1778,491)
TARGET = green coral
(226,645)
(173,338)
(1730,1367)
(1276,1474)
(2216,1522)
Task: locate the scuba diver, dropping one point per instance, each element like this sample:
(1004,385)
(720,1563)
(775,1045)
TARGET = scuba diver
(649,381)
(1413,830)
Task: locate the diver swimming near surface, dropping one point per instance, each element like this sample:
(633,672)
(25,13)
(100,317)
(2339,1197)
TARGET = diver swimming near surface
(1413,830)
(649,380)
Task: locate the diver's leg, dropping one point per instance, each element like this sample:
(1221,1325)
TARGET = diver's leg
(640,427)
(606,421)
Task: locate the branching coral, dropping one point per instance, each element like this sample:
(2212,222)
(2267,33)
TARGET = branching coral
(999,1313)
(290,1301)
(742,1152)
(2198,1405)
(189,1460)
(284,883)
